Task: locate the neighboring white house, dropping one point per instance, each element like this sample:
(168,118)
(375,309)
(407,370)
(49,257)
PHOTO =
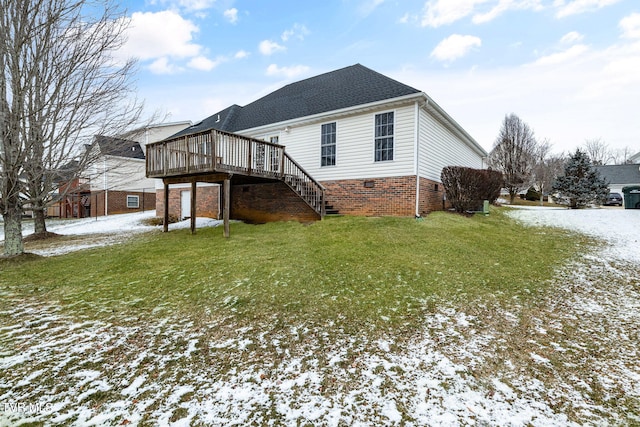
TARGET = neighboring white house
(377,145)
(620,176)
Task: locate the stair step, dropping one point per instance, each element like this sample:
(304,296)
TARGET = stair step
(330,210)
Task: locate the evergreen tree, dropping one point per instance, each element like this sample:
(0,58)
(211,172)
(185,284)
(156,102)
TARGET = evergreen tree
(581,184)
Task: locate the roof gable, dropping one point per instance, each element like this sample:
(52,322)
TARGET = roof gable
(347,87)
(110,146)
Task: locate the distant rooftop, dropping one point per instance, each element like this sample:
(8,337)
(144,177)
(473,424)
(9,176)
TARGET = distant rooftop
(620,174)
(110,146)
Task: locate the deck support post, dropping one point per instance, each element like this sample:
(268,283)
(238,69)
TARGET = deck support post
(193,207)
(165,221)
(226,192)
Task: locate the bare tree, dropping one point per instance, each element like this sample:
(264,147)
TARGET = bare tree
(539,175)
(598,151)
(621,156)
(547,168)
(70,88)
(78,90)
(14,36)
(514,154)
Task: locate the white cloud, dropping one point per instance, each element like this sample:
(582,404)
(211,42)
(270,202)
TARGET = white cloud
(241,54)
(442,12)
(268,47)
(567,55)
(630,26)
(231,15)
(574,7)
(367,7)
(454,47)
(288,72)
(144,41)
(190,5)
(162,66)
(504,6)
(298,31)
(405,19)
(203,63)
(594,95)
(571,38)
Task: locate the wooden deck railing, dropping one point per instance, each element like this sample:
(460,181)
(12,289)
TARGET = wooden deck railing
(221,152)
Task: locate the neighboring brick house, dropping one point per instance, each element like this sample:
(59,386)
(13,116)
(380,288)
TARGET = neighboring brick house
(377,145)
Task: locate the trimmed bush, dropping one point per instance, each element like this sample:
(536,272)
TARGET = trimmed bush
(466,188)
(532,195)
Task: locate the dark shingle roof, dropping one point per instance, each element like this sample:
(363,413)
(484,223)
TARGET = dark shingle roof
(110,146)
(620,174)
(343,88)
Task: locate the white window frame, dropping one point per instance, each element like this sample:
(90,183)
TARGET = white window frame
(391,136)
(335,144)
(274,158)
(137,201)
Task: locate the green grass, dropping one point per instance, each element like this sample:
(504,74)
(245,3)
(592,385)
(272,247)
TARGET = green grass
(353,271)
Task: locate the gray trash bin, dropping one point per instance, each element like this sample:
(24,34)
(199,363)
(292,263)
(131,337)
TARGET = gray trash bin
(631,196)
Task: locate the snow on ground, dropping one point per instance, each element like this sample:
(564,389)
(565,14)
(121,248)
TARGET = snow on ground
(101,231)
(619,227)
(573,360)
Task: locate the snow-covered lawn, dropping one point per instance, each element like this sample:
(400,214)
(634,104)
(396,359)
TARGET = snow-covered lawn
(570,360)
(101,231)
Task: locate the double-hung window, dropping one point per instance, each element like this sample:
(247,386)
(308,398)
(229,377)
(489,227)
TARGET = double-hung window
(328,144)
(384,137)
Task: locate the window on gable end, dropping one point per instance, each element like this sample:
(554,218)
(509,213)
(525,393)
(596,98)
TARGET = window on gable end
(328,144)
(384,128)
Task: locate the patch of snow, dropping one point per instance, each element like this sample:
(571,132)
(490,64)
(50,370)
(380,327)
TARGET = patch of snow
(618,227)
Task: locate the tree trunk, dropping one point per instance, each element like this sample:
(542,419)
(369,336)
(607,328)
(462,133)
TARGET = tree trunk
(13,230)
(39,223)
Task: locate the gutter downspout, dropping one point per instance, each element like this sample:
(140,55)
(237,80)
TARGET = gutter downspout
(106,195)
(417,154)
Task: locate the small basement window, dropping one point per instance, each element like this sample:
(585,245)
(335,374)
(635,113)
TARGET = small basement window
(133,202)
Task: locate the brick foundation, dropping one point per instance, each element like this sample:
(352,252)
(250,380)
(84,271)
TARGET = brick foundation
(373,197)
(117,202)
(395,196)
(207,201)
(269,202)
(274,201)
(431,194)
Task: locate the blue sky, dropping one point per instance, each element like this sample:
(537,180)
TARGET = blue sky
(569,68)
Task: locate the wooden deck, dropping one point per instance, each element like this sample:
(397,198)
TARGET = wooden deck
(215,156)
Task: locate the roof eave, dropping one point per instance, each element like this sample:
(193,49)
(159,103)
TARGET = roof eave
(448,121)
(348,111)
(429,104)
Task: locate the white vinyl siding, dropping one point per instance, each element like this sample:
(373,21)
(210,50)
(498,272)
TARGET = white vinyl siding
(355,143)
(440,147)
(119,173)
